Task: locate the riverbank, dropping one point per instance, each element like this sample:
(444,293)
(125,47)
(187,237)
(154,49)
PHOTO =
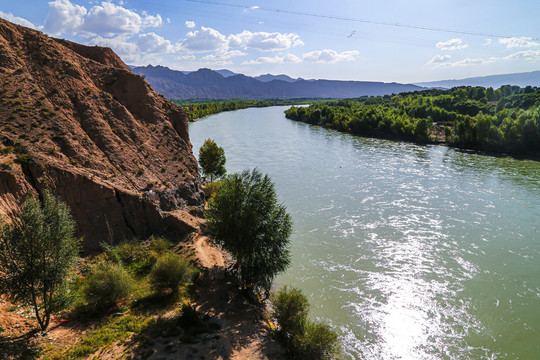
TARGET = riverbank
(435,136)
(200,108)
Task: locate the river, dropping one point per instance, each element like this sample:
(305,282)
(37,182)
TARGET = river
(408,251)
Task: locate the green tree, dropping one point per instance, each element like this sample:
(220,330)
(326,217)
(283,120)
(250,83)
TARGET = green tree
(247,220)
(37,251)
(212,159)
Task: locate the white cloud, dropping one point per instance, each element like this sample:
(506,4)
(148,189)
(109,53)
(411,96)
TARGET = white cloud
(109,19)
(518,42)
(265,41)
(64,17)
(119,44)
(151,20)
(487,42)
(451,45)
(255,7)
(18,20)
(466,62)
(206,39)
(330,56)
(190,24)
(437,59)
(223,57)
(526,54)
(153,43)
(106,19)
(186,57)
(289,58)
(168,21)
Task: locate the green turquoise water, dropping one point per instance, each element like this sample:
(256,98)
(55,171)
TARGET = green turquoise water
(408,251)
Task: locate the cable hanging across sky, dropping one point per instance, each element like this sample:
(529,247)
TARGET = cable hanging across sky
(343,18)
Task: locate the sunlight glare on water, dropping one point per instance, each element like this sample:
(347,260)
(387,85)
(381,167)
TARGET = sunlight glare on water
(410,252)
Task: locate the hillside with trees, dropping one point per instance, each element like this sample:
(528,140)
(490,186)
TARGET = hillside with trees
(503,120)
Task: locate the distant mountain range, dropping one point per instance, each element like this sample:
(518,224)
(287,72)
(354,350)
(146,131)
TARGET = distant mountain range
(209,84)
(221,84)
(495,81)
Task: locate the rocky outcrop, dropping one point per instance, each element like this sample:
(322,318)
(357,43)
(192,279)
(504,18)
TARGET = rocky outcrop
(74,119)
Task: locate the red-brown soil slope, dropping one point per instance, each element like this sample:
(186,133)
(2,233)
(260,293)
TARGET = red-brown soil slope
(74,119)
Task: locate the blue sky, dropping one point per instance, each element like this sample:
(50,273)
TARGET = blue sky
(384,40)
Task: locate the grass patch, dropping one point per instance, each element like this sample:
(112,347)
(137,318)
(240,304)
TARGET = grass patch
(132,316)
(110,331)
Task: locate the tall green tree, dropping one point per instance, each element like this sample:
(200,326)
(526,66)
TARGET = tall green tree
(246,218)
(212,159)
(37,252)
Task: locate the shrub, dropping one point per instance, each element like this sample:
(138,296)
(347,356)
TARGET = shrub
(6,150)
(211,189)
(290,309)
(317,342)
(169,272)
(137,256)
(106,284)
(307,339)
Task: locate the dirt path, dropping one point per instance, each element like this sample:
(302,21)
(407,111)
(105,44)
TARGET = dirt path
(243,333)
(209,256)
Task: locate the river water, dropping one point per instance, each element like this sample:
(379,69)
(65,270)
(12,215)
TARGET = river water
(408,251)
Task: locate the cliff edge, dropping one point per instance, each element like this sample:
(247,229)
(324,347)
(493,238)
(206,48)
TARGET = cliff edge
(74,119)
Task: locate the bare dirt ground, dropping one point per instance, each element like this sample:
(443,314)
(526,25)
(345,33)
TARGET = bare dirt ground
(243,332)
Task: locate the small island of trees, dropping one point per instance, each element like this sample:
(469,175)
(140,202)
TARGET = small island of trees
(502,120)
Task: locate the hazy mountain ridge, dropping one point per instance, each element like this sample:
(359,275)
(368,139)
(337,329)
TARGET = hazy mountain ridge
(206,83)
(496,81)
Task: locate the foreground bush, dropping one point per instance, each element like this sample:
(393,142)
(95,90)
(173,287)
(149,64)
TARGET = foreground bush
(307,339)
(290,309)
(317,342)
(169,272)
(37,252)
(137,256)
(106,284)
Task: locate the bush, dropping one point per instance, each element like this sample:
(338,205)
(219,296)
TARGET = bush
(307,339)
(137,256)
(169,272)
(211,189)
(290,309)
(317,342)
(106,284)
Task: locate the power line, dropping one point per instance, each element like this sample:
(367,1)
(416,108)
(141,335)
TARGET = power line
(373,22)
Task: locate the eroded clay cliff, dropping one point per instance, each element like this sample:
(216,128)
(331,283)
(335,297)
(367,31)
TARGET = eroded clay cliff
(74,119)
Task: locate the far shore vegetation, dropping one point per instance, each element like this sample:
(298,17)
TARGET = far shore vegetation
(502,120)
(198,108)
